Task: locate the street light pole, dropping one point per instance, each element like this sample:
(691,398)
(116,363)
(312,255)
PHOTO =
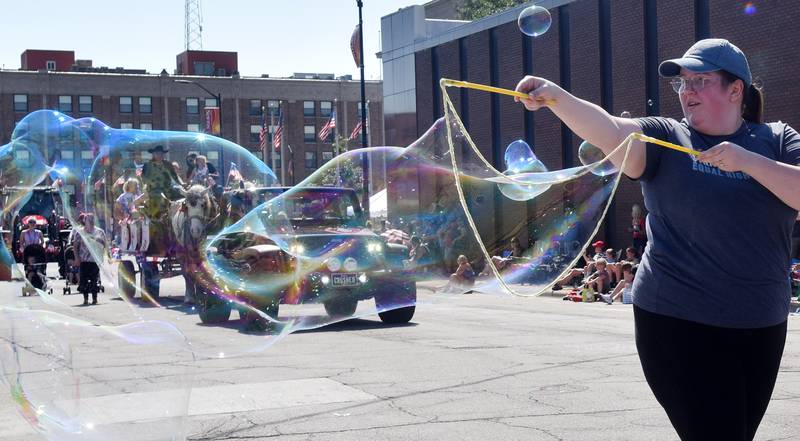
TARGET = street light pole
(364,128)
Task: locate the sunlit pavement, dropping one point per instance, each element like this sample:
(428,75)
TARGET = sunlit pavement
(469,367)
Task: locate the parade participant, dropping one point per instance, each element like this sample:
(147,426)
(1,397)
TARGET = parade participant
(201,175)
(127,214)
(159,180)
(90,237)
(30,236)
(710,318)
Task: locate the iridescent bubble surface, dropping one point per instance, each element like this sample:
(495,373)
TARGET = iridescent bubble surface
(519,158)
(534,20)
(226,248)
(591,155)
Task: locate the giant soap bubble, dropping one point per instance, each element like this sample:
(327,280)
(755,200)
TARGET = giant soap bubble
(224,261)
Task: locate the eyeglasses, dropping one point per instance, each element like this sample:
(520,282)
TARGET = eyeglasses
(680,84)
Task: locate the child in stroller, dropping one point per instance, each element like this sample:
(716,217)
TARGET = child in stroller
(35,265)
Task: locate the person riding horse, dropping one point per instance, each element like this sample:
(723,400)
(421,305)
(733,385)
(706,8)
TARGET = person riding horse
(160,180)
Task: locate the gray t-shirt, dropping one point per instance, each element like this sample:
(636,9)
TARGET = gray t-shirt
(718,249)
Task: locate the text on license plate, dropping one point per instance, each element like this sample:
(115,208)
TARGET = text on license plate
(344,279)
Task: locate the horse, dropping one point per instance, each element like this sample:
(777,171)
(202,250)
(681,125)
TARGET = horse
(192,214)
(191,217)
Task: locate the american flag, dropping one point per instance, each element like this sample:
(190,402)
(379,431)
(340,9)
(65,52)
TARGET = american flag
(262,135)
(139,168)
(356,131)
(276,137)
(326,129)
(234,173)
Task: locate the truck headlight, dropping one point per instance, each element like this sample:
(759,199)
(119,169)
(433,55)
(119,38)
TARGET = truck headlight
(334,264)
(350,264)
(374,247)
(297,249)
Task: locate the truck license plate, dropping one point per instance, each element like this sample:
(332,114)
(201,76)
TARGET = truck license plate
(344,279)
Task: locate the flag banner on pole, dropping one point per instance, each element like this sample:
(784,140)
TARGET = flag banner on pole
(328,127)
(276,137)
(234,175)
(212,120)
(355,45)
(356,131)
(262,135)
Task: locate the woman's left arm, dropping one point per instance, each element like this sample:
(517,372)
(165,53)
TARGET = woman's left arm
(783,180)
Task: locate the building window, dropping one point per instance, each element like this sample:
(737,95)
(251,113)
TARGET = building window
(326,156)
(211,102)
(65,103)
(213,157)
(125,104)
(67,155)
(204,68)
(146,126)
(255,107)
(192,105)
(192,127)
(309,134)
(125,125)
(273,106)
(85,104)
(255,131)
(308,108)
(20,103)
(311,160)
(145,104)
(87,154)
(50,65)
(325,108)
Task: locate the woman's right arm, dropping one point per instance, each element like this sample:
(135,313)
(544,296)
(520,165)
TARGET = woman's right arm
(589,121)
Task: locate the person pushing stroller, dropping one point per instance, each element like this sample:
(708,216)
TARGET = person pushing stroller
(89,237)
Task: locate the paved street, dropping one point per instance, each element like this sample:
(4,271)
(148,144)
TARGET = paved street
(470,367)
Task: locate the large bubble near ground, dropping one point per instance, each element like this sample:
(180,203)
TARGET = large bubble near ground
(222,261)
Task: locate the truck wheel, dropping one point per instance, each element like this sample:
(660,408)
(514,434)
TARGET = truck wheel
(211,308)
(342,307)
(397,303)
(255,323)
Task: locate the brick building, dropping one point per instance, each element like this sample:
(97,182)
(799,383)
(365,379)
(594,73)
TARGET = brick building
(604,51)
(124,98)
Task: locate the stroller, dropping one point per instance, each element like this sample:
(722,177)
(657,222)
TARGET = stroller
(35,266)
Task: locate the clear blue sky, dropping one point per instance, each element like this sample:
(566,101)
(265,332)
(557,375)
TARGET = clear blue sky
(276,37)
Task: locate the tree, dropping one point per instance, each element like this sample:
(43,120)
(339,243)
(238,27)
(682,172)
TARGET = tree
(475,9)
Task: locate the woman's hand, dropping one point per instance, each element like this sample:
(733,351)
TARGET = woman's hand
(541,92)
(726,156)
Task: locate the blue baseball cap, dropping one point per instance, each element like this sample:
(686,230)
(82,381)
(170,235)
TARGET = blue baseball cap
(710,55)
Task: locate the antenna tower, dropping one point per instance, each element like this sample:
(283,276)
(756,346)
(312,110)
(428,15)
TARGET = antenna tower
(194,25)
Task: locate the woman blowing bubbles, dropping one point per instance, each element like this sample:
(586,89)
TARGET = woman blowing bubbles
(711,296)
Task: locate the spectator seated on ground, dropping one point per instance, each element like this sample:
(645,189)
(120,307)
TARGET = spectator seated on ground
(594,286)
(464,277)
(420,258)
(600,280)
(615,268)
(512,252)
(587,270)
(624,288)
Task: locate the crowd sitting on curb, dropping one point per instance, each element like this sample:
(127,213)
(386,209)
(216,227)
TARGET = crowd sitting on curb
(604,277)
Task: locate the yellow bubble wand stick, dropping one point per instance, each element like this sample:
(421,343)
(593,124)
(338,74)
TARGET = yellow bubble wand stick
(521,95)
(485,88)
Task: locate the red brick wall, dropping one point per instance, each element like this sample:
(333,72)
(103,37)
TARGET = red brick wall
(769,40)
